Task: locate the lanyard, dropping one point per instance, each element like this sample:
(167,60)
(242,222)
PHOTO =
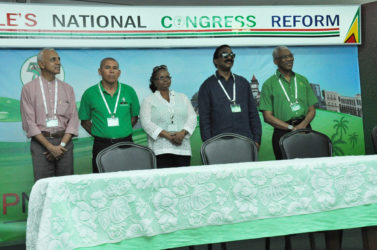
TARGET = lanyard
(285,92)
(226,93)
(107,105)
(44,97)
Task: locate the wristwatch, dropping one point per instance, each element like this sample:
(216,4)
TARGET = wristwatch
(62,144)
(290,127)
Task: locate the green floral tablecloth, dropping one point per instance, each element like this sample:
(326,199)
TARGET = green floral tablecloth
(90,210)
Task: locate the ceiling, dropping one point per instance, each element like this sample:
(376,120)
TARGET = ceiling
(198,2)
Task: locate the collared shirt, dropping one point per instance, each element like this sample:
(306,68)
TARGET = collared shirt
(156,114)
(33,111)
(215,114)
(273,97)
(92,107)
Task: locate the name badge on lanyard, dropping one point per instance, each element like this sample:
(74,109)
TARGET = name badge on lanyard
(234,107)
(113,121)
(295,106)
(50,122)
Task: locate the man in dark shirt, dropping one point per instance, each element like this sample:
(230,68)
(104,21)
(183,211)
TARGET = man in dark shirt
(226,103)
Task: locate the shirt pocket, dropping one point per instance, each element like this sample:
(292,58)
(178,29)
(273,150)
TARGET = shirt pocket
(124,107)
(62,108)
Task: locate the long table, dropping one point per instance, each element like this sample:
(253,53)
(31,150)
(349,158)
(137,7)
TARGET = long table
(165,208)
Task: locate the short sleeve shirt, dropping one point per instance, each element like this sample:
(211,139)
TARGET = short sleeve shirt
(93,107)
(273,97)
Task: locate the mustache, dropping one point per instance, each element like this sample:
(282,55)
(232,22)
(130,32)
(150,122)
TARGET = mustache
(229,60)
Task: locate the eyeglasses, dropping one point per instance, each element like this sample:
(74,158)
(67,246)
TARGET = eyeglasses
(226,54)
(161,78)
(289,56)
(159,67)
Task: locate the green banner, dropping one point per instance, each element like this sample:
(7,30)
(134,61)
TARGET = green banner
(189,68)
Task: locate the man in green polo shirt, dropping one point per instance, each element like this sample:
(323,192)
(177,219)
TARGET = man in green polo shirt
(109,109)
(287,100)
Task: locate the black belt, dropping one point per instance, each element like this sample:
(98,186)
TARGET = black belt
(58,134)
(295,121)
(112,140)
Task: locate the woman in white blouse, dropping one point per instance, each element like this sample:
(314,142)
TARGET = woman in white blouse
(169,120)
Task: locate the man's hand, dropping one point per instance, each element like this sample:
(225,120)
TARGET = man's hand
(49,156)
(301,125)
(308,118)
(56,151)
(179,136)
(258,146)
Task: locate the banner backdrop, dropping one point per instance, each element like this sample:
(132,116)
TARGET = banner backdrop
(332,72)
(25,25)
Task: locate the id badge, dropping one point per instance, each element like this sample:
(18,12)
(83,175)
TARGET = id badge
(236,108)
(113,122)
(52,123)
(172,128)
(295,107)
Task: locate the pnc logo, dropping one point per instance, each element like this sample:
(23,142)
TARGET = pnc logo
(191,22)
(30,70)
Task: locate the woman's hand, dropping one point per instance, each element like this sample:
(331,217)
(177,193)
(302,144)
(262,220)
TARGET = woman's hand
(167,135)
(179,136)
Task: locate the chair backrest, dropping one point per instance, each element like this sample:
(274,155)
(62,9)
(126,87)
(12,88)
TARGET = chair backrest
(124,156)
(228,148)
(374,139)
(305,143)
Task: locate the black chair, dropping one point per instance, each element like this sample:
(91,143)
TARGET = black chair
(228,148)
(124,156)
(307,143)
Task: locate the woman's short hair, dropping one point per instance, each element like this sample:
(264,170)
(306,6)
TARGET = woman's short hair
(154,73)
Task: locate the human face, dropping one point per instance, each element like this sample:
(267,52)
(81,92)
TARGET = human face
(225,59)
(109,71)
(162,80)
(284,60)
(50,64)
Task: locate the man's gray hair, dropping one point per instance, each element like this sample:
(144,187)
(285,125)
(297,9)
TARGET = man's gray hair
(276,51)
(106,59)
(41,52)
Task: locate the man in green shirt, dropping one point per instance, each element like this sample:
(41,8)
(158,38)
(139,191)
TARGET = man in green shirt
(109,109)
(287,100)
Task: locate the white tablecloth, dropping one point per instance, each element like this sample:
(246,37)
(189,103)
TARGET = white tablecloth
(88,210)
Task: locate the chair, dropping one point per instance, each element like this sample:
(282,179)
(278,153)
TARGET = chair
(228,148)
(374,139)
(124,156)
(307,143)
